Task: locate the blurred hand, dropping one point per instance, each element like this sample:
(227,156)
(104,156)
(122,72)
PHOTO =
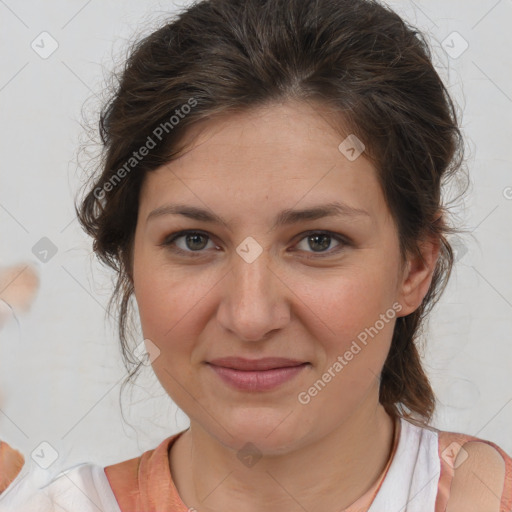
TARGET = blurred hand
(18,287)
(11,462)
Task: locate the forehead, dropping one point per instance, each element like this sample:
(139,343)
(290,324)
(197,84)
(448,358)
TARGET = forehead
(283,132)
(277,156)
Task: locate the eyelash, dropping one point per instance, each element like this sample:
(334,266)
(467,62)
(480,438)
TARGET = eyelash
(169,243)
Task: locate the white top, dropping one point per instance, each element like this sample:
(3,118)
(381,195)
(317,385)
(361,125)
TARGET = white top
(410,485)
(81,488)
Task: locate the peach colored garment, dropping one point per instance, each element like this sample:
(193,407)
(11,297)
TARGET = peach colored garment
(144,484)
(448,453)
(418,474)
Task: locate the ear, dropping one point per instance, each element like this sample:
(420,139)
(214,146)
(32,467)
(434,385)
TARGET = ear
(418,273)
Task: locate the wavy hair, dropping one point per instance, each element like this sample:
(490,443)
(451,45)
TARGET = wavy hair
(357,57)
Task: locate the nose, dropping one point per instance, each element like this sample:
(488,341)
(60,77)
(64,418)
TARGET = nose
(255,300)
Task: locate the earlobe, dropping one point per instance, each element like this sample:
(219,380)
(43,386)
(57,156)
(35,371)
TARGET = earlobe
(418,274)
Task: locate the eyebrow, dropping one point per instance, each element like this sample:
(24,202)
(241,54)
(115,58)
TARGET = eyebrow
(285,217)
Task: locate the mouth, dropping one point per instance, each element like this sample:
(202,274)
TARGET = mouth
(256,374)
(266,363)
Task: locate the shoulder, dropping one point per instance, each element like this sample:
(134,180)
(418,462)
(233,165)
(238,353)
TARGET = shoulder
(123,478)
(137,480)
(476,474)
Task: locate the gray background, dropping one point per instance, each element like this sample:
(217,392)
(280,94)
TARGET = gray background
(60,372)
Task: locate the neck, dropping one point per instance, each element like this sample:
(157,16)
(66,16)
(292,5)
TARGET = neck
(328,474)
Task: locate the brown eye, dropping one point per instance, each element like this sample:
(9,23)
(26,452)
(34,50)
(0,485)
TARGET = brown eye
(195,241)
(320,241)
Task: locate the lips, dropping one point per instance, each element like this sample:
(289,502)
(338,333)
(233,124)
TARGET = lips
(266,363)
(256,375)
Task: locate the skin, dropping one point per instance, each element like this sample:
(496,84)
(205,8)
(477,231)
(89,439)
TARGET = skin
(247,167)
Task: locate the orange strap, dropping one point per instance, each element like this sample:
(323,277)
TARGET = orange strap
(450,444)
(144,484)
(124,481)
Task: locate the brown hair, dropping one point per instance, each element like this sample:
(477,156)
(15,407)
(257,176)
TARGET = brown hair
(357,57)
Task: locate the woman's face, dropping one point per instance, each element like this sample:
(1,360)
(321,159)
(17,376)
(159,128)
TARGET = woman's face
(262,285)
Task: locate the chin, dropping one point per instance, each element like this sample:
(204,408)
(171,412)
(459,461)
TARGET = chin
(269,434)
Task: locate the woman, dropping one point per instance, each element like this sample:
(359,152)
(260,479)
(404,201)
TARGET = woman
(270,195)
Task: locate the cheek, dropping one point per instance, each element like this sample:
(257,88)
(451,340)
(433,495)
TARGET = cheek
(162,302)
(161,296)
(352,342)
(351,316)
(171,309)
(165,308)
